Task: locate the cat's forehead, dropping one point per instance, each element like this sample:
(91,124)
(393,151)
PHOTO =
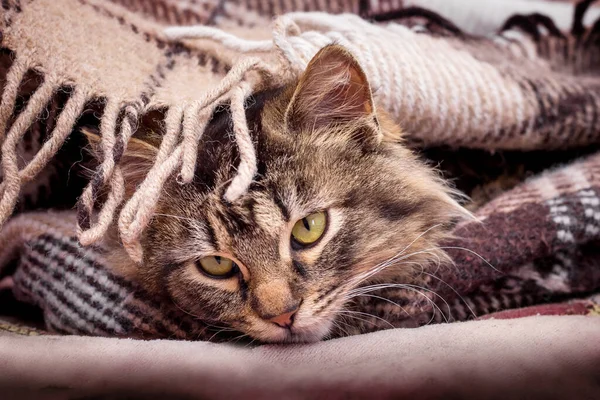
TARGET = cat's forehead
(297,174)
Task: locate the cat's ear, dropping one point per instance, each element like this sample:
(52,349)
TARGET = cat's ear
(135,162)
(333,92)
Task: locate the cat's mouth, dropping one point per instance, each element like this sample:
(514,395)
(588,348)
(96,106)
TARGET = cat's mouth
(299,335)
(302,331)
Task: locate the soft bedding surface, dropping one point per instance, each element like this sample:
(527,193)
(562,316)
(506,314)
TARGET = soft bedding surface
(528,358)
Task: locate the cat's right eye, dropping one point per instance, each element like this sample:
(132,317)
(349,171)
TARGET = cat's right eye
(217,267)
(309,229)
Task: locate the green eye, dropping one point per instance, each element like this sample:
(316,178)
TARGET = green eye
(217,266)
(309,229)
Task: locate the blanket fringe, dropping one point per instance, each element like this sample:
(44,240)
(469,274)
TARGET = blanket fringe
(64,124)
(138,211)
(579,51)
(194,124)
(85,205)
(10,188)
(113,149)
(14,77)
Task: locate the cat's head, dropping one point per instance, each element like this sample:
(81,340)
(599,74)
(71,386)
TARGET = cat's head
(336,198)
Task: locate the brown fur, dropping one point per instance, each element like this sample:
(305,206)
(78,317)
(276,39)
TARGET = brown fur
(321,146)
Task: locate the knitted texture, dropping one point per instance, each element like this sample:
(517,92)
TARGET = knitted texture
(533,86)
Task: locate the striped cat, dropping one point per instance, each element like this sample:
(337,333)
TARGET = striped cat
(338,202)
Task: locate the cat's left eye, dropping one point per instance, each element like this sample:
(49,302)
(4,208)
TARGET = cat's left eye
(217,266)
(309,229)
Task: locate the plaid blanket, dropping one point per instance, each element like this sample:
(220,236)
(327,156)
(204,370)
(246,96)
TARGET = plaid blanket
(531,91)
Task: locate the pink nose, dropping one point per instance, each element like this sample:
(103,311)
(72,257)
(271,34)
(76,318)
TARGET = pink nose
(285,320)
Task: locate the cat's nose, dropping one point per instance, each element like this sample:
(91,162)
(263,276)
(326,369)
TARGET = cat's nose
(285,320)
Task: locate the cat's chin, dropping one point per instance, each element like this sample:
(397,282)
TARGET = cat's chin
(308,333)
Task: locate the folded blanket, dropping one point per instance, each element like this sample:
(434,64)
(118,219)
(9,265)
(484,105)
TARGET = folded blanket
(530,358)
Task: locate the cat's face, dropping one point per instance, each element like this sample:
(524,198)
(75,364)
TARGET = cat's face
(336,196)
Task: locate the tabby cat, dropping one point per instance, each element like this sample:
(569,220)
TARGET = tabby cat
(338,201)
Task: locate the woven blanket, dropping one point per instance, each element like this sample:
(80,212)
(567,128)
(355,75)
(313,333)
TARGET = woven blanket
(529,88)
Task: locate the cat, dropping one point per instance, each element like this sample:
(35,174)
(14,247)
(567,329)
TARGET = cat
(337,198)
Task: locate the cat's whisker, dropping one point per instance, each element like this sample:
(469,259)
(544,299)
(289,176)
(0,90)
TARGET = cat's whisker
(229,328)
(208,325)
(352,314)
(357,318)
(406,286)
(395,263)
(387,264)
(392,261)
(216,334)
(472,252)
(431,319)
(454,290)
(418,237)
(334,292)
(238,338)
(223,329)
(346,297)
(185,311)
(337,322)
(212,326)
(176,217)
(367,314)
(385,299)
(434,306)
(378,267)
(338,327)
(416,288)
(202,335)
(399,257)
(428,251)
(381,286)
(438,264)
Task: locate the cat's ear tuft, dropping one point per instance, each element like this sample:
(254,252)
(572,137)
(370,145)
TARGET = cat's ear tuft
(333,92)
(136,148)
(135,162)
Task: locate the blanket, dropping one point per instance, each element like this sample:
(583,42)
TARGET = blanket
(530,358)
(533,86)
